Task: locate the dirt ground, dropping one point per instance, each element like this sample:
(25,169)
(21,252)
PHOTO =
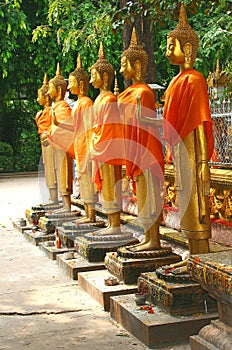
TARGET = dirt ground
(41,307)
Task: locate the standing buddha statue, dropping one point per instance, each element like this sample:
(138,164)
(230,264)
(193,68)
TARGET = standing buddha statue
(61,111)
(106,147)
(143,149)
(78,84)
(188,130)
(43,121)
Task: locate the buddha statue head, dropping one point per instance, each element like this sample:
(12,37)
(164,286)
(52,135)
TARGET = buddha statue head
(57,85)
(134,60)
(78,81)
(42,94)
(182,42)
(102,72)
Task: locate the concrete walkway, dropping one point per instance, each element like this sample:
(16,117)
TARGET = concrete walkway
(41,307)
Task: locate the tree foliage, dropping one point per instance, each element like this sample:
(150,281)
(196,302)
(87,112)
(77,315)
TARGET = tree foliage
(36,34)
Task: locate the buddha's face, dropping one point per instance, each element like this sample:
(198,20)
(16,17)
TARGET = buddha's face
(73,85)
(95,79)
(126,69)
(174,52)
(41,98)
(52,92)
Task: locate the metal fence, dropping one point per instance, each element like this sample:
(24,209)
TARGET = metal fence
(221,112)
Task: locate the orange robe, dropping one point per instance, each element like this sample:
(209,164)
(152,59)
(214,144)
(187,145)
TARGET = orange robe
(143,148)
(186,107)
(57,136)
(187,117)
(44,120)
(83,128)
(107,143)
(62,143)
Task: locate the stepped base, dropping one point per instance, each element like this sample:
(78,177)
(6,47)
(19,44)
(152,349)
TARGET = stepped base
(129,269)
(73,267)
(94,284)
(158,328)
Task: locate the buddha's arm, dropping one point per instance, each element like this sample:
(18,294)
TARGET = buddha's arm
(203,169)
(146,120)
(62,125)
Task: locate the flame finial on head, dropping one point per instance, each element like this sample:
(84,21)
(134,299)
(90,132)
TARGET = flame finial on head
(45,80)
(134,38)
(58,70)
(79,62)
(101,52)
(183,19)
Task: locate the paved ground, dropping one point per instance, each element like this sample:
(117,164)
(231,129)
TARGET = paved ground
(41,307)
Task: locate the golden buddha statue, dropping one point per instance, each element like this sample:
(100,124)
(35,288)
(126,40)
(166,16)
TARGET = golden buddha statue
(188,130)
(43,121)
(78,84)
(61,111)
(107,133)
(143,149)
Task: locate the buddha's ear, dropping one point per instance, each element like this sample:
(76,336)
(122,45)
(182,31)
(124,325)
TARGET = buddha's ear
(81,86)
(105,78)
(188,52)
(138,67)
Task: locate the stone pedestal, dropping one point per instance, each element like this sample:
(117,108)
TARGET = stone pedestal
(177,295)
(49,248)
(127,266)
(69,231)
(48,222)
(94,246)
(214,273)
(94,283)
(72,267)
(37,211)
(158,328)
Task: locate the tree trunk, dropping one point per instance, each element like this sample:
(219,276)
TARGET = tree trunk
(142,25)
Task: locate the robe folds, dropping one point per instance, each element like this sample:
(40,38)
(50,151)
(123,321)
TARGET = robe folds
(107,145)
(143,148)
(59,137)
(186,107)
(44,120)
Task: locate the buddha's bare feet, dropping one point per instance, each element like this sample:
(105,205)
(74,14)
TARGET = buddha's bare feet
(62,210)
(109,231)
(84,220)
(137,244)
(143,247)
(178,268)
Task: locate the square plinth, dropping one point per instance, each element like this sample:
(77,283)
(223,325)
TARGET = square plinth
(159,328)
(73,267)
(93,283)
(51,251)
(95,251)
(21,229)
(36,237)
(128,269)
(176,297)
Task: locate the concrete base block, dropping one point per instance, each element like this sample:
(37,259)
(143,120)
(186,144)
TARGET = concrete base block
(93,282)
(78,264)
(159,328)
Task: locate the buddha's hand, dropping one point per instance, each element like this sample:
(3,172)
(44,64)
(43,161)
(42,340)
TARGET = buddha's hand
(38,115)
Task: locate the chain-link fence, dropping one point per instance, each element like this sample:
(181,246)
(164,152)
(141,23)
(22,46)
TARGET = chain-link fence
(221,112)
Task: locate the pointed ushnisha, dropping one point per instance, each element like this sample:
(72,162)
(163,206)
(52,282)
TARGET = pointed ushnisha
(45,80)
(101,53)
(58,70)
(79,63)
(134,39)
